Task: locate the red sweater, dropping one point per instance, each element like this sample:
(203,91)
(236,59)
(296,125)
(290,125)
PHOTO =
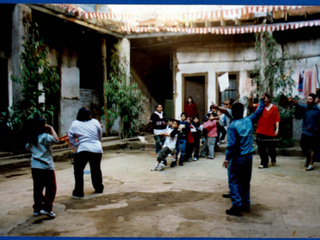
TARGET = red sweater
(191,110)
(267,122)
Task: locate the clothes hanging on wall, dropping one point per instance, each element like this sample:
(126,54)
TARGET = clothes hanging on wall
(308,82)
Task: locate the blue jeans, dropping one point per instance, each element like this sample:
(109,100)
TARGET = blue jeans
(159,142)
(181,146)
(239,176)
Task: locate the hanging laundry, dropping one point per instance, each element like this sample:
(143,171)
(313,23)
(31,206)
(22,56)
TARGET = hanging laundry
(223,82)
(300,83)
(310,82)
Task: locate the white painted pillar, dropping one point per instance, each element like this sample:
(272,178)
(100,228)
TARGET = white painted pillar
(124,53)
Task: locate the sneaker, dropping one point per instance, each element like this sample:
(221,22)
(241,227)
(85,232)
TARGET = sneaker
(234,211)
(161,167)
(36,214)
(173,164)
(222,141)
(310,168)
(261,166)
(226,195)
(195,159)
(190,159)
(155,167)
(180,163)
(165,162)
(210,158)
(49,214)
(246,208)
(273,163)
(169,155)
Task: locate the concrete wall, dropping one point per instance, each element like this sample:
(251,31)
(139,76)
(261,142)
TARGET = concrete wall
(70,90)
(19,36)
(211,60)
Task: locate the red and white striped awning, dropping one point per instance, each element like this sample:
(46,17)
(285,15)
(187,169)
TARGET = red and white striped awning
(225,30)
(226,13)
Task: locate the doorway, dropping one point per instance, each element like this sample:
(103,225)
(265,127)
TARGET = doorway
(195,86)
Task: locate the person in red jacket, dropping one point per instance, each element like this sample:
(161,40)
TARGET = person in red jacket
(267,132)
(190,108)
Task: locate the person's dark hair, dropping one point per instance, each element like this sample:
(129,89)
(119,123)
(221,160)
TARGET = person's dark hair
(237,110)
(212,113)
(267,95)
(159,105)
(230,100)
(170,120)
(35,127)
(194,117)
(183,114)
(83,115)
(318,93)
(205,119)
(313,96)
(175,120)
(191,99)
(211,107)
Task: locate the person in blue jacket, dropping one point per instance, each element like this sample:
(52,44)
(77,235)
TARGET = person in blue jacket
(239,157)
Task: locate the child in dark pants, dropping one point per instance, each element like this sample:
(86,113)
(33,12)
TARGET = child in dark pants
(39,142)
(168,147)
(196,137)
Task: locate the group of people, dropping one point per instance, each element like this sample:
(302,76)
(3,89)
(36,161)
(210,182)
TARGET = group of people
(85,134)
(181,138)
(240,132)
(178,138)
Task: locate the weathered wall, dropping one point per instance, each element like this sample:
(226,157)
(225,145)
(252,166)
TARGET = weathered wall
(70,90)
(235,57)
(211,59)
(19,36)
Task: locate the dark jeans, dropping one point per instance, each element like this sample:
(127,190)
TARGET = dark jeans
(160,139)
(43,179)
(181,147)
(189,150)
(80,162)
(221,131)
(163,153)
(196,145)
(267,147)
(308,143)
(239,176)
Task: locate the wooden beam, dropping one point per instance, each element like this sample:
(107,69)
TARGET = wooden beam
(74,20)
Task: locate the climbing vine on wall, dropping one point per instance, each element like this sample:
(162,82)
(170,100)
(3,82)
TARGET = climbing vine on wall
(38,78)
(125,101)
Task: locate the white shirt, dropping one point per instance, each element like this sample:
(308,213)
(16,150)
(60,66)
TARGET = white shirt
(88,135)
(170,142)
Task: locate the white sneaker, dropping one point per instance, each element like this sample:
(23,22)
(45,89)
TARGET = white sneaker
(155,168)
(195,159)
(161,167)
(222,141)
(169,155)
(49,214)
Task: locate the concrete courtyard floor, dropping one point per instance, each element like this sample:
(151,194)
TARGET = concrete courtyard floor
(176,202)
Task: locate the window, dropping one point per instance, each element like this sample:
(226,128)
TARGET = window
(231,92)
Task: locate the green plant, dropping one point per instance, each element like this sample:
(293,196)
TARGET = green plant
(124,100)
(37,77)
(273,74)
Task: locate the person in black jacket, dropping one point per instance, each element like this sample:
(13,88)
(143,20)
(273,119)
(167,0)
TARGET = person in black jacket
(159,123)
